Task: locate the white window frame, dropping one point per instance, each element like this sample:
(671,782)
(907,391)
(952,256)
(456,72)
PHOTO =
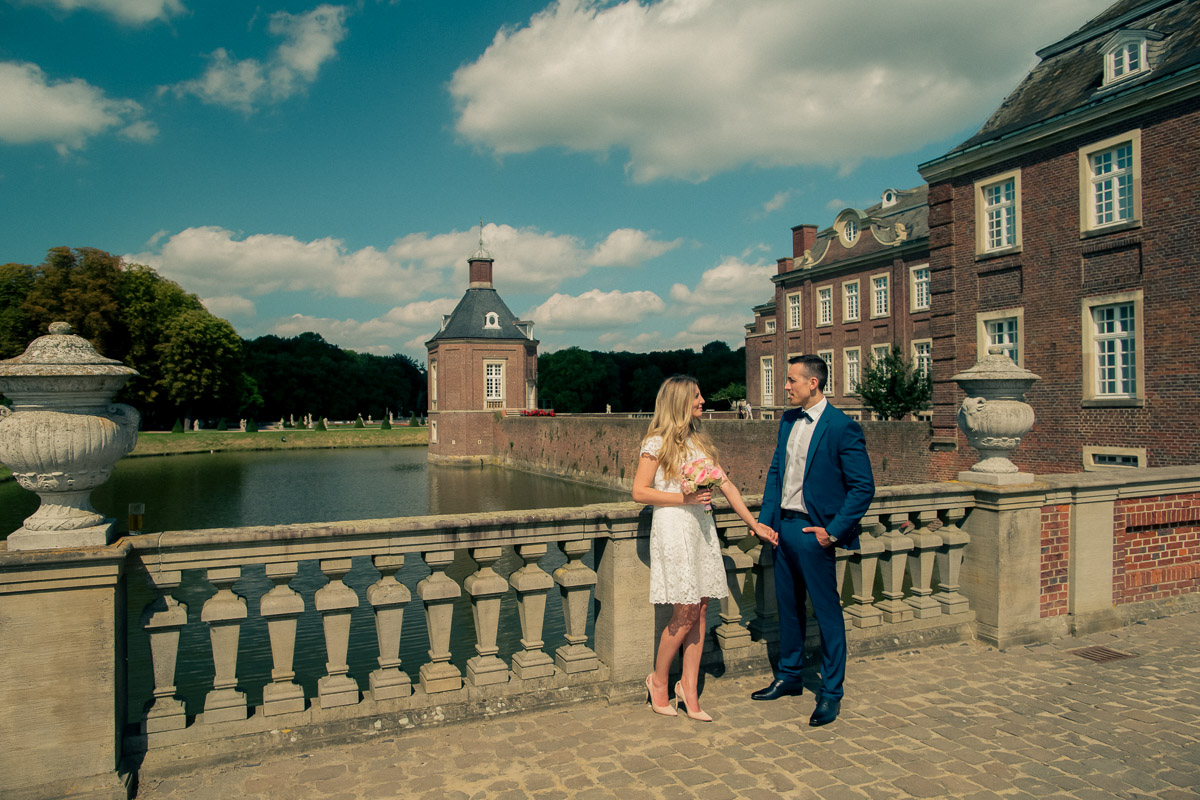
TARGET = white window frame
(849,232)
(766,374)
(824,305)
(983,337)
(769,326)
(433,385)
(879,353)
(915,283)
(922,363)
(1089,183)
(1008,210)
(886,294)
(493,399)
(1093,457)
(795,311)
(846,295)
(1116,58)
(433,431)
(1091,394)
(827,357)
(491,320)
(851,363)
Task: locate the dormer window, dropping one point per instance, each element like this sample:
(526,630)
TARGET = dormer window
(889,198)
(445,319)
(491,320)
(1127,55)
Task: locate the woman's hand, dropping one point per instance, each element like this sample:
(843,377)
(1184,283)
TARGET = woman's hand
(700,496)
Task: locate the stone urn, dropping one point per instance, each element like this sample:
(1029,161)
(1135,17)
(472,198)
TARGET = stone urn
(63,436)
(994,416)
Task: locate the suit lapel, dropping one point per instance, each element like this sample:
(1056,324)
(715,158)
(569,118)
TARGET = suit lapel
(815,441)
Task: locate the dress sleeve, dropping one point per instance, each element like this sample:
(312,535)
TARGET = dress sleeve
(652,446)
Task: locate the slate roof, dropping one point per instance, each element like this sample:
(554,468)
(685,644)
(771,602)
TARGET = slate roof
(911,209)
(1071,71)
(467,321)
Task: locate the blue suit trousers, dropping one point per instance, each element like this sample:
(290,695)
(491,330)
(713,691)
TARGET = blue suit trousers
(803,567)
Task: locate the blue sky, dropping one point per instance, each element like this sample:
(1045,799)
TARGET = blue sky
(637,166)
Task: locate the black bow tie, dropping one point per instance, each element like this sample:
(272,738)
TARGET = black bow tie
(804,415)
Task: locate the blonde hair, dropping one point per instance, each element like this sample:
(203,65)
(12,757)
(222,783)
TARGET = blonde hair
(673,421)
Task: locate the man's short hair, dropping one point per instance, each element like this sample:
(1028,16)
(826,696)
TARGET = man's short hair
(814,367)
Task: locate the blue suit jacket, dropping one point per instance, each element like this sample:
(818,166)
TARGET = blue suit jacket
(838,483)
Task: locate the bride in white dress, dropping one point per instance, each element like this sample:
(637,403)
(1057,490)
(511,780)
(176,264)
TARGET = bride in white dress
(686,568)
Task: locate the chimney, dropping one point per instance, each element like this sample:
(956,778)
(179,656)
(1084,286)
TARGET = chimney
(803,238)
(480,271)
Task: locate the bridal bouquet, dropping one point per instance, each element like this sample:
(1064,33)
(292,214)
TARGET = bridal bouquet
(702,473)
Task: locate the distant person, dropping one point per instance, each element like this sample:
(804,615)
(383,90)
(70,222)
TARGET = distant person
(686,568)
(818,488)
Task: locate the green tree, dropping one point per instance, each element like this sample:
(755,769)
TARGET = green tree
(80,287)
(731,393)
(201,359)
(16,328)
(892,387)
(571,380)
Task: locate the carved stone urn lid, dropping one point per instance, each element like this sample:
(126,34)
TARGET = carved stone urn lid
(995,367)
(62,353)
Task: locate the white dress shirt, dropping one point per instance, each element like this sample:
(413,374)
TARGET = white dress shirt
(797,458)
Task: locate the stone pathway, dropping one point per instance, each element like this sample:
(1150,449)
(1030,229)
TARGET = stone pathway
(958,721)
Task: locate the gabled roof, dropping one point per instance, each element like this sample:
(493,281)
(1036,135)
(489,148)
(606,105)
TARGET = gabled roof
(469,318)
(902,222)
(1070,74)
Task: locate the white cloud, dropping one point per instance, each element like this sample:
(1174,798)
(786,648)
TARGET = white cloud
(730,283)
(628,247)
(310,40)
(129,12)
(777,202)
(66,113)
(690,88)
(836,204)
(402,329)
(229,306)
(595,309)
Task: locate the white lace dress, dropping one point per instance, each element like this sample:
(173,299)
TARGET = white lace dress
(685,553)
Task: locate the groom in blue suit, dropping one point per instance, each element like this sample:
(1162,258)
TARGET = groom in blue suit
(818,488)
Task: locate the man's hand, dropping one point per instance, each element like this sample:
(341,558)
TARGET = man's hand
(822,536)
(766,533)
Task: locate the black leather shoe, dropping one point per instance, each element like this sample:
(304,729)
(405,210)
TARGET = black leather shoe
(825,712)
(778,688)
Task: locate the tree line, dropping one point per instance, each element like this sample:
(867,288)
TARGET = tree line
(192,364)
(576,380)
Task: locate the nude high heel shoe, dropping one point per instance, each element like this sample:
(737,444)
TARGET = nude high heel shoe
(697,715)
(666,710)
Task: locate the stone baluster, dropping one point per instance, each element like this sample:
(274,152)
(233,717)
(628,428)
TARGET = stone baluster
(281,607)
(486,589)
(920,565)
(163,619)
(575,581)
(224,612)
(335,600)
(892,563)
(532,584)
(731,634)
(949,561)
(765,625)
(438,592)
(862,612)
(841,557)
(388,597)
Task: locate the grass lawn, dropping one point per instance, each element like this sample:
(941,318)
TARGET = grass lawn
(161,443)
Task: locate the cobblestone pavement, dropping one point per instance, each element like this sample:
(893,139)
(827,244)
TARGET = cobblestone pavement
(959,721)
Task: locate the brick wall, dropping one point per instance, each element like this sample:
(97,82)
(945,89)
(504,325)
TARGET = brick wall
(604,449)
(1056,533)
(1156,547)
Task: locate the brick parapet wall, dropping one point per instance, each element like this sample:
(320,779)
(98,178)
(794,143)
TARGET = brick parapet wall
(1056,537)
(1156,547)
(604,449)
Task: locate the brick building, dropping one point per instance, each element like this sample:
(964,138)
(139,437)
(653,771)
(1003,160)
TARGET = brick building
(848,293)
(1061,232)
(481,363)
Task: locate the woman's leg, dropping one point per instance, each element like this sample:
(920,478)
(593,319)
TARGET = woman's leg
(693,648)
(674,636)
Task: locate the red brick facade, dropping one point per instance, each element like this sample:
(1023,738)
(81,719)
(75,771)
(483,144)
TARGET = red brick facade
(1056,537)
(1156,548)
